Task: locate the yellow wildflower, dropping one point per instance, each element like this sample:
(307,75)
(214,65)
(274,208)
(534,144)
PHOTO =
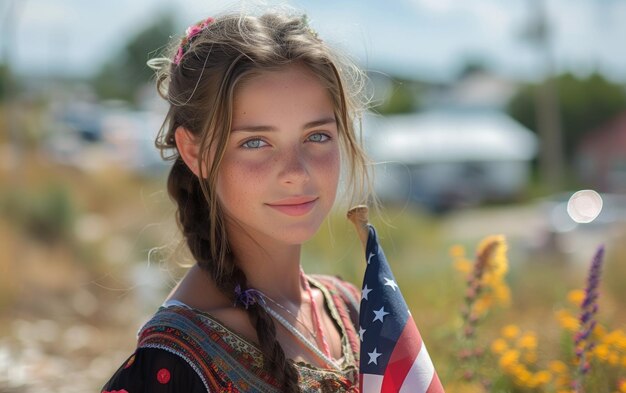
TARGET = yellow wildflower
(482,304)
(621,385)
(497,262)
(509,359)
(557,367)
(502,293)
(615,338)
(601,351)
(457,251)
(567,320)
(527,341)
(463,265)
(543,377)
(599,331)
(576,297)
(510,331)
(489,278)
(524,377)
(498,346)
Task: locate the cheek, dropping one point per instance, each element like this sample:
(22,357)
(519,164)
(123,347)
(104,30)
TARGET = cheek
(242,182)
(235,181)
(329,166)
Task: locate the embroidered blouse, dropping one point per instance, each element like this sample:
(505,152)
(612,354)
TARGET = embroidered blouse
(186,350)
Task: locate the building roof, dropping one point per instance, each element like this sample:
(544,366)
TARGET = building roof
(449,136)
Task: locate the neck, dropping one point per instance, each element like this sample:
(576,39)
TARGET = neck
(270,267)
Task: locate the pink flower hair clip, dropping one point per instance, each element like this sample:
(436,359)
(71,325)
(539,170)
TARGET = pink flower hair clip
(191,32)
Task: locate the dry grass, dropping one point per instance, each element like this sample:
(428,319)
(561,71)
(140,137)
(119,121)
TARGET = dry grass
(73,302)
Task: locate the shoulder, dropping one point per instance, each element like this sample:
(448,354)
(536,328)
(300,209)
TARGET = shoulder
(345,294)
(178,350)
(219,356)
(155,370)
(345,289)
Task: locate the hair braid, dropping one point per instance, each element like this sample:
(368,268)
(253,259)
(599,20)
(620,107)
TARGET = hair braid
(275,361)
(193,217)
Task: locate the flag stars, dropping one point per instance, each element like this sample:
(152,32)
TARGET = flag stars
(374,356)
(380,314)
(391,283)
(361,332)
(365,291)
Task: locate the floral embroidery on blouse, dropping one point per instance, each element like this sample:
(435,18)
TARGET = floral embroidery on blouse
(227,362)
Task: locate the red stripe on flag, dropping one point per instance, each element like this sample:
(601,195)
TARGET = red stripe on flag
(404,354)
(435,385)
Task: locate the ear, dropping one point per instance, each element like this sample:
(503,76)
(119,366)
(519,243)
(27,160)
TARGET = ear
(188,148)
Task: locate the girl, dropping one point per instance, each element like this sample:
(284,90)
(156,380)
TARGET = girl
(261,116)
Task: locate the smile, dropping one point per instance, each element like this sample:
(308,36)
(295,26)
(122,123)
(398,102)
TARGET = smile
(294,207)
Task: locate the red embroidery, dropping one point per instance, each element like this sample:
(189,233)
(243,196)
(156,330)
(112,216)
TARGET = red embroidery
(163,376)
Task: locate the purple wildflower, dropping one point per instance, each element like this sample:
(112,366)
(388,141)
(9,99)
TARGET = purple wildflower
(588,310)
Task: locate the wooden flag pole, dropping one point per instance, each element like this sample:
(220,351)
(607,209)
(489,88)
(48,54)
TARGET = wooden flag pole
(359,216)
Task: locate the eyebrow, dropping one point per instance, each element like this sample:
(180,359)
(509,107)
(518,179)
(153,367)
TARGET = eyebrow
(311,124)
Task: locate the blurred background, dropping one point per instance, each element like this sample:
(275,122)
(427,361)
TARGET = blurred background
(487,116)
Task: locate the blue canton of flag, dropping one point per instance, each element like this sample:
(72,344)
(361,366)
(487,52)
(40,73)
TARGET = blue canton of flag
(393,357)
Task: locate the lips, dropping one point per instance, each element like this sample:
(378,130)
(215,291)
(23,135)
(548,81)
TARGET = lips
(294,206)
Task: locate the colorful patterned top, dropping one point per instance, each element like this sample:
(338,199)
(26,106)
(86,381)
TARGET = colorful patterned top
(186,350)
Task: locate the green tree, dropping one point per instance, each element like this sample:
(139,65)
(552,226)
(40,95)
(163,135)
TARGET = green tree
(585,104)
(127,71)
(4,81)
(402,98)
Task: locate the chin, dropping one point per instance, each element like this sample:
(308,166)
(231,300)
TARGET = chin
(298,235)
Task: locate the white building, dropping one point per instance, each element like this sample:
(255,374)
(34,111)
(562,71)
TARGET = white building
(444,159)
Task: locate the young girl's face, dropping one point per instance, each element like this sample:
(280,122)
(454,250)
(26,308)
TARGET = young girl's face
(278,177)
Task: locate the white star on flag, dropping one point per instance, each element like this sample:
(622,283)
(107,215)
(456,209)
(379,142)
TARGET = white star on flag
(391,283)
(374,356)
(380,314)
(402,364)
(364,292)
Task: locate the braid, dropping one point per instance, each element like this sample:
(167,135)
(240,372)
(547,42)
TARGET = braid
(275,361)
(193,217)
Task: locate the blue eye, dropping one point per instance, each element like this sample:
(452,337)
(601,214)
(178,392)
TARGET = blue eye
(253,143)
(319,137)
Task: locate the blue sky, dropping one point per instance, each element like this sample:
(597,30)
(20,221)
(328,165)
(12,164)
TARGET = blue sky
(425,38)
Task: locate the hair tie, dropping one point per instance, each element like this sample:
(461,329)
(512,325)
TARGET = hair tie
(248,297)
(191,32)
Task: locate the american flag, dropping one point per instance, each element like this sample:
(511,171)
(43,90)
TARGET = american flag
(393,355)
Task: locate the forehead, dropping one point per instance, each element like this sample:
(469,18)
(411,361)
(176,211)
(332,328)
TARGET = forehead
(290,94)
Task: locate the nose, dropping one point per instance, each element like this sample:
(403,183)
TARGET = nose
(294,168)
